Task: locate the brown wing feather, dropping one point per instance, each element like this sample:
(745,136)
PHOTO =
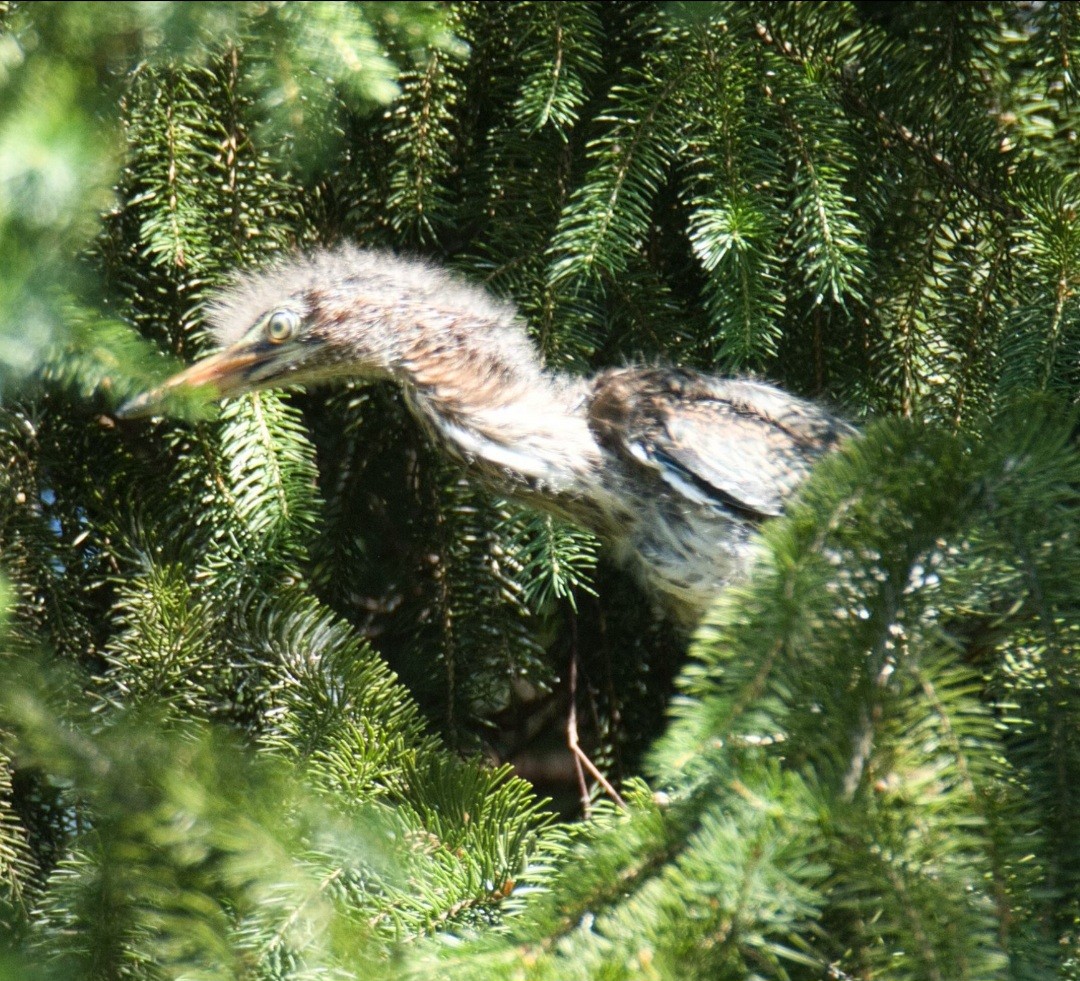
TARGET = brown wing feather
(740,445)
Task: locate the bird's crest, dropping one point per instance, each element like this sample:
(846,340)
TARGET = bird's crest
(336,277)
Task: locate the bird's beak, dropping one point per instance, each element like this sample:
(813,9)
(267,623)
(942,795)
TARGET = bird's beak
(228,372)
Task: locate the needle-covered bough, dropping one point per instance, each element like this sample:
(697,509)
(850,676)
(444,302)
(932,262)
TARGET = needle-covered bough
(672,468)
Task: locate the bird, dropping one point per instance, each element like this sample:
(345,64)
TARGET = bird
(675,470)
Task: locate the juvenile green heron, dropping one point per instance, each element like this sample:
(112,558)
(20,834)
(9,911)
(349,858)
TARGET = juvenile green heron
(672,468)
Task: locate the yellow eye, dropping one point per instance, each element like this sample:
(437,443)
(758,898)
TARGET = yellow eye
(281,326)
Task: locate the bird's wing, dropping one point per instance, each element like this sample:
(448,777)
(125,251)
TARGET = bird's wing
(739,445)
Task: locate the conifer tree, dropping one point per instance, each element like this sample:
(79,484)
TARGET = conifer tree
(280,685)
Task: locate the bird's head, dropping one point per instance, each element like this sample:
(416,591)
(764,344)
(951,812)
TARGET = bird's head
(347,313)
(283,345)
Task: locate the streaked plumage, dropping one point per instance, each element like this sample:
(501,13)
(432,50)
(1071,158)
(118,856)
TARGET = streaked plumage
(673,468)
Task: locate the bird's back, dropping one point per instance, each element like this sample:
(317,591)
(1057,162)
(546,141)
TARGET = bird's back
(704,461)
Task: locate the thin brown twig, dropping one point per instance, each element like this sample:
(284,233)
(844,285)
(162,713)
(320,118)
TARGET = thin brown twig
(581,758)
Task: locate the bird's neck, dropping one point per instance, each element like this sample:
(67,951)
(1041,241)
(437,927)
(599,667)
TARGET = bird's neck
(522,430)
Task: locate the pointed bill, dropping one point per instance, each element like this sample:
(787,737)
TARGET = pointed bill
(220,375)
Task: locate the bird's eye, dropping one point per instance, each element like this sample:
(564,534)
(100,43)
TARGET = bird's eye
(281,326)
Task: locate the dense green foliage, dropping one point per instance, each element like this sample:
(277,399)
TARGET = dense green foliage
(258,662)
